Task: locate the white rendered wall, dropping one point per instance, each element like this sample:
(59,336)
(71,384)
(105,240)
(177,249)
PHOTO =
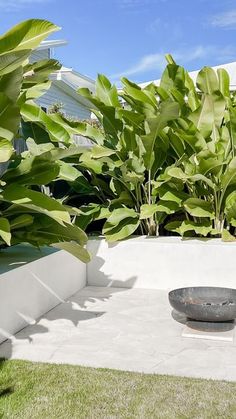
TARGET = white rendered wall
(32,282)
(162,263)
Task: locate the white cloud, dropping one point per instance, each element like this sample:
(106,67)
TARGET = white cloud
(224,20)
(16,5)
(148,62)
(182,56)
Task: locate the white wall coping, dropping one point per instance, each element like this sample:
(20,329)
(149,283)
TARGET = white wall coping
(167,240)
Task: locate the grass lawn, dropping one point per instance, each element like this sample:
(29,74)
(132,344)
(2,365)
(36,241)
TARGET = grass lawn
(32,390)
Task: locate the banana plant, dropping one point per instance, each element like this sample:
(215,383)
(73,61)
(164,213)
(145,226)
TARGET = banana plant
(165,157)
(26,213)
(126,157)
(199,187)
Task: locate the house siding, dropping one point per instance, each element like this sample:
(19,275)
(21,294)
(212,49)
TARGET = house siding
(70,106)
(43,54)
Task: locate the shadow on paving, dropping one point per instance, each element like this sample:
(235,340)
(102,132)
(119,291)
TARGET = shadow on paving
(74,309)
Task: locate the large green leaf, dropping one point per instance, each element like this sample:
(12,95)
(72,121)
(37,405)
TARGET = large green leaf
(147,211)
(68,172)
(224,82)
(131,118)
(87,214)
(120,224)
(107,114)
(227,237)
(229,176)
(26,35)
(199,208)
(75,249)
(207,81)
(10,84)
(96,165)
(56,131)
(209,114)
(17,194)
(46,233)
(230,206)
(168,112)
(136,93)
(9,118)
(174,77)
(35,132)
(33,171)
(99,151)
(39,71)
(51,230)
(203,116)
(178,173)
(21,221)
(10,61)
(177,143)
(168,207)
(106,92)
(168,193)
(35,91)
(124,198)
(189,135)
(36,82)
(5,233)
(182,227)
(6,150)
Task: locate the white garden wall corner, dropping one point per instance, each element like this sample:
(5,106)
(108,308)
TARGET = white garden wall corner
(32,282)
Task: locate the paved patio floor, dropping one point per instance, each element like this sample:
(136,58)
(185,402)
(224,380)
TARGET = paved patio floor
(127,329)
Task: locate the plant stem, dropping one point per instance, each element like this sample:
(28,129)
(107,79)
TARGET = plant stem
(149,187)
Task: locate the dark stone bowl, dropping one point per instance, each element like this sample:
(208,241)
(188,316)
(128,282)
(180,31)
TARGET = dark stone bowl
(208,304)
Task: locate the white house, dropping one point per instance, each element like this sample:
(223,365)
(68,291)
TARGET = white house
(229,67)
(65,84)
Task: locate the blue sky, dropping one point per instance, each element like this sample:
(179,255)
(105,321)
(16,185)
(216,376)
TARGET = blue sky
(130,37)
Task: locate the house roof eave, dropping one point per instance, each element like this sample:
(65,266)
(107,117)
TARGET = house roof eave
(53,43)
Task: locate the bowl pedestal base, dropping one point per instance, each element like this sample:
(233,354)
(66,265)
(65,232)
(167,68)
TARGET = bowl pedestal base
(222,331)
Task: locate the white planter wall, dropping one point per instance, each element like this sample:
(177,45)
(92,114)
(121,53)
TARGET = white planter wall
(32,282)
(162,263)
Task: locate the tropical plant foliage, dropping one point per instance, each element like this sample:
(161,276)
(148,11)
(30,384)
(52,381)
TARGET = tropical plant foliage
(27,211)
(165,157)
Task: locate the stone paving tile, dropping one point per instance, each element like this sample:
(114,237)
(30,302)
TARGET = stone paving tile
(208,363)
(127,329)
